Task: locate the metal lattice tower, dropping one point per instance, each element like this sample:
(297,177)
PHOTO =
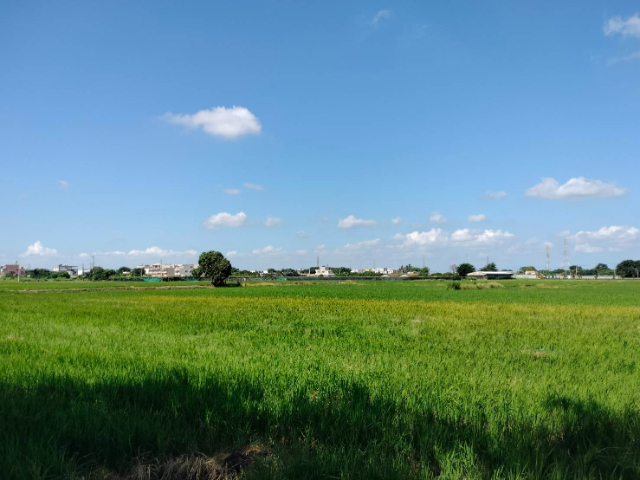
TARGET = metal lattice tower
(548,260)
(565,260)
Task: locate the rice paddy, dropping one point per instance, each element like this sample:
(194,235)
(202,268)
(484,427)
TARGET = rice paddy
(360,380)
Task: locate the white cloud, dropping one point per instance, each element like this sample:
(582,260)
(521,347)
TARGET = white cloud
(396,221)
(272,221)
(381,15)
(84,255)
(225,219)
(231,191)
(301,252)
(433,236)
(494,196)
(437,218)
(232,253)
(616,234)
(481,217)
(40,250)
(623,26)
(268,250)
(586,248)
(575,189)
(352,221)
(223,122)
(154,251)
(63,185)
(253,186)
(302,234)
(478,238)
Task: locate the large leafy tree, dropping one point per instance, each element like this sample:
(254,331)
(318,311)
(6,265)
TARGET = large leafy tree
(490,267)
(215,266)
(465,269)
(628,268)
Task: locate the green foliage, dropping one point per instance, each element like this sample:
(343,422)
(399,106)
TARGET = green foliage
(628,268)
(489,267)
(137,272)
(423,272)
(341,271)
(215,266)
(122,270)
(465,269)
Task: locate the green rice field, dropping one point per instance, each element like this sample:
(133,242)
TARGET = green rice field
(351,380)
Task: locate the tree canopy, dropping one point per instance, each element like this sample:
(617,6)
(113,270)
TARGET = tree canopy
(490,267)
(628,268)
(215,266)
(465,269)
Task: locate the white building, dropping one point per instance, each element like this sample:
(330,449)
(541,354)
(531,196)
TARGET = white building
(384,271)
(70,269)
(158,270)
(184,269)
(324,272)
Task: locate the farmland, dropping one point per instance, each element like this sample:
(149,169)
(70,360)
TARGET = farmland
(531,380)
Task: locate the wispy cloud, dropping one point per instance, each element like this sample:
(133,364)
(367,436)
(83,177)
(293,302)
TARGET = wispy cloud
(626,58)
(628,27)
(351,221)
(575,189)
(63,184)
(231,191)
(155,251)
(37,249)
(396,221)
(229,123)
(494,196)
(268,250)
(379,17)
(224,219)
(481,217)
(437,218)
(272,221)
(253,186)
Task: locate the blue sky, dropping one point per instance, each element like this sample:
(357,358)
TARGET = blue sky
(278,131)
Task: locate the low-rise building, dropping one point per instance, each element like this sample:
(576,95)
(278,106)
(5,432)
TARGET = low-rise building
(184,269)
(159,270)
(70,269)
(13,270)
(324,272)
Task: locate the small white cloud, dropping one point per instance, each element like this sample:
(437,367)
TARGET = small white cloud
(84,255)
(301,252)
(272,221)
(437,218)
(396,221)
(352,221)
(623,26)
(494,196)
(586,248)
(433,236)
(225,219)
(268,250)
(40,250)
(575,189)
(253,186)
(63,185)
(302,234)
(480,238)
(223,122)
(481,217)
(381,15)
(232,191)
(232,253)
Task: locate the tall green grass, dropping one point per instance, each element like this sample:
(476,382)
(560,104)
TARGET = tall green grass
(364,380)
